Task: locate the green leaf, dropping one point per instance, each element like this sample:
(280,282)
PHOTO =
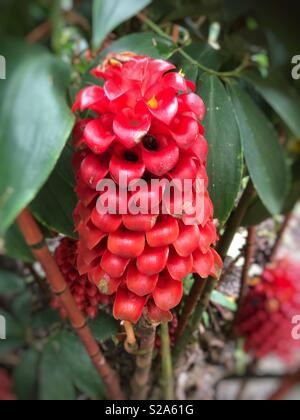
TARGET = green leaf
(82,371)
(264,155)
(15,245)
(206,319)
(225,160)
(15,334)
(108,14)
(256,213)
(224,301)
(25,375)
(204,54)
(294,193)
(45,319)
(55,375)
(22,308)
(55,203)
(139,43)
(10,283)
(281,96)
(104,327)
(35,123)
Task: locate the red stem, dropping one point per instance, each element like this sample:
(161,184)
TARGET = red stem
(286,386)
(280,236)
(35,240)
(190,305)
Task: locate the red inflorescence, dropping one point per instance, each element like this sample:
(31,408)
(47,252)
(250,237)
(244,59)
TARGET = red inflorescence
(266,316)
(144,123)
(6,386)
(87,296)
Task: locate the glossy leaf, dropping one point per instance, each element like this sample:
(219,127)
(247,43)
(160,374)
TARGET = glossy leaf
(10,283)
(203,54)
(281,96)
(225,160)
(108,14)
(55,203)
(224,301)
(35,123)
(15,245)
(264,155)
(55,381)
(15,334)
(82,372)
(25,375)
(104,327)
(256,213)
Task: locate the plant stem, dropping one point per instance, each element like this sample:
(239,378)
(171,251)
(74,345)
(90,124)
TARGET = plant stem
(35,240)
(167,382)
(190,305)
(288,383)
(141,380)
(249,254)
(39,32)
(235,220)
(234,73)
(233,224)
(280,236)
(130,342)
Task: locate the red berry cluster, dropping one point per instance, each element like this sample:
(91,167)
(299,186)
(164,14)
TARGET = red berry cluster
(87,296)
(6,393)
(266,316)
(146,125)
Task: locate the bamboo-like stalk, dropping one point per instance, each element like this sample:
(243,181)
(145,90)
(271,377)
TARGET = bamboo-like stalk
(225,242)
(280,236)
(35,240)
(190,305)
(288,383)
(167,382)
(249,254)
(235,220)
(146,333)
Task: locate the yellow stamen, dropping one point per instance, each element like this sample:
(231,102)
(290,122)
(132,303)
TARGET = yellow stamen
(153,103)
(182,73)
(114,62)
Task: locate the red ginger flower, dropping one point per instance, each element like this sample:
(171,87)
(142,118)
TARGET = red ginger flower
(6,386)
(266,316)
(87,296)
(146,125)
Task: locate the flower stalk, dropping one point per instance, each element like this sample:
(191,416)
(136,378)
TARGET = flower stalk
(287,384)
(190,305)
(167,382)
(35,240)
(146,333)
(280,236)
(234,73)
